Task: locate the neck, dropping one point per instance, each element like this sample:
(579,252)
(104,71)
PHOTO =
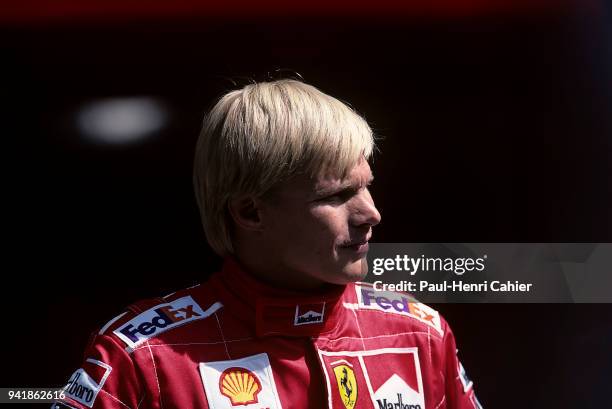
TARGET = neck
(271,271)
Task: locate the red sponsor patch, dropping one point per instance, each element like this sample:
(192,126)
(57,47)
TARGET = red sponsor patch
(385,378)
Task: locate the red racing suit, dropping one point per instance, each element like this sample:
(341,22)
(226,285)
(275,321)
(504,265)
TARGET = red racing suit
(233,342)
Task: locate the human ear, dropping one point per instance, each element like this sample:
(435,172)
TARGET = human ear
(246,213)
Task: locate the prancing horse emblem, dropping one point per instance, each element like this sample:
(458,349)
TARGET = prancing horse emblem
(347,384)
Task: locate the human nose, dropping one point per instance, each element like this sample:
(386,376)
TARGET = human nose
(364,210)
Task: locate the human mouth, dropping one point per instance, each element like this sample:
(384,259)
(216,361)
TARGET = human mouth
(358,246)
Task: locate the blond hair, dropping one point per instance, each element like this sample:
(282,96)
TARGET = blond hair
(257,137)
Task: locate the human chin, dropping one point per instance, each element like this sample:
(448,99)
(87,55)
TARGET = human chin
(354,270)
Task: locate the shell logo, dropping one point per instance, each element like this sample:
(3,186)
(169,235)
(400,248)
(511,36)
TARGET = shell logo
(240,385)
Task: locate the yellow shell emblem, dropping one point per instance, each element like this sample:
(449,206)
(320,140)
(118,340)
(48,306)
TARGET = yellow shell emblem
(347,385)
(240,385)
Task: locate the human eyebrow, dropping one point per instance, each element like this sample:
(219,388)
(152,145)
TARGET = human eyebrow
(329,190)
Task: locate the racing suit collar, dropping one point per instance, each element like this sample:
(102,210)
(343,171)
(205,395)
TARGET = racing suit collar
(283,312)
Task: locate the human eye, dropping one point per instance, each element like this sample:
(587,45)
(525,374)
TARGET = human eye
(340,196)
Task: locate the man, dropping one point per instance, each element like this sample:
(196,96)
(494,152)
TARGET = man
(281,178)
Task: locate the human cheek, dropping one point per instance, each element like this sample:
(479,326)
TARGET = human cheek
(332,224)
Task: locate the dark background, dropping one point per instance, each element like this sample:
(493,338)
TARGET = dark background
(496,123)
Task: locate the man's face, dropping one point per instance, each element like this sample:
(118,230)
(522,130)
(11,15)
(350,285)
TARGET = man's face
(319,229)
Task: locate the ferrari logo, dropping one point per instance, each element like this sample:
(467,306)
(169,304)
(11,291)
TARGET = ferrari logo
(347,385)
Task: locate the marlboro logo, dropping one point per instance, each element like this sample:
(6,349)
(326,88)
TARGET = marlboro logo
(85,383)
(397,404)
(309,314)
(395,393)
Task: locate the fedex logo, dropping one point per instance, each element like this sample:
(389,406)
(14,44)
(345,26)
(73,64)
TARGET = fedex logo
(397,303)
(161,318)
